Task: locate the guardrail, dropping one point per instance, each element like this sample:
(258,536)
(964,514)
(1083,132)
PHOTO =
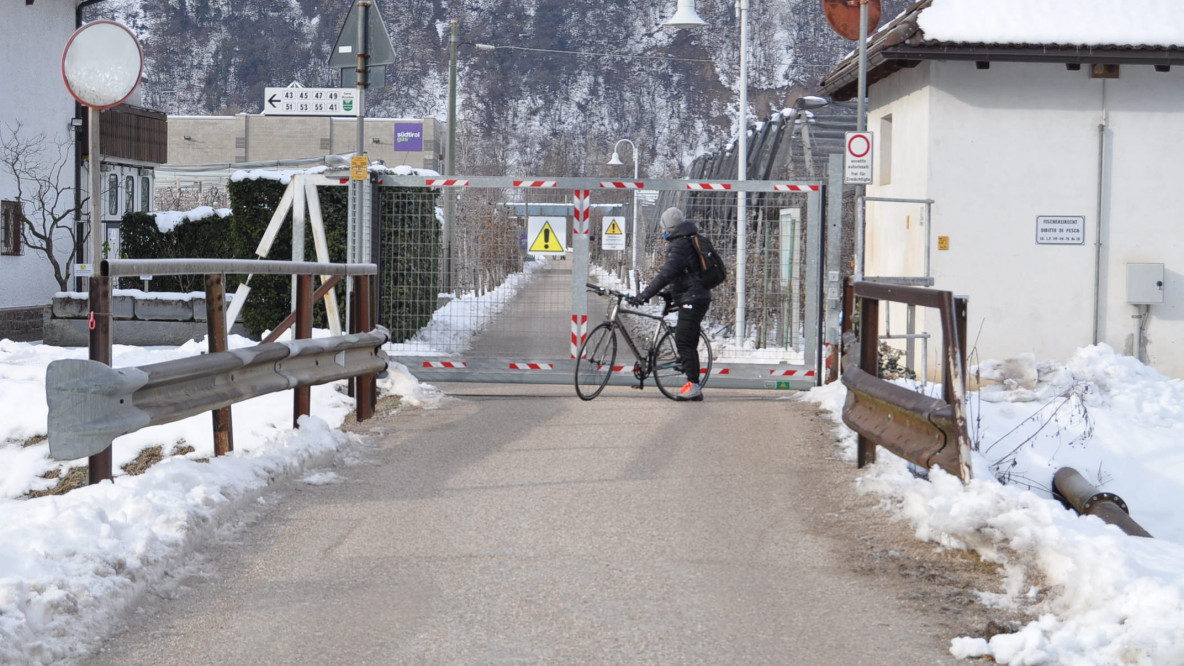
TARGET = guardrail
(924,430)
(90,403)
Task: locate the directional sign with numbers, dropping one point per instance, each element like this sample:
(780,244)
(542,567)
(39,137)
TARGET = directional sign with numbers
(310,102)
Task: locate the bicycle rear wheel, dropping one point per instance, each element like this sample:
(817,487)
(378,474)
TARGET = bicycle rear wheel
(594,364)
(668,374)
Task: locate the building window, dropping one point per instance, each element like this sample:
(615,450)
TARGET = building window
(886,150)
(145,193)
(10,231)
(112,194)
(129,194)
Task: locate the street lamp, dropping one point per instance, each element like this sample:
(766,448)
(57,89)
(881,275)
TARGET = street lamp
(615,160)
(454,44)
(686,17)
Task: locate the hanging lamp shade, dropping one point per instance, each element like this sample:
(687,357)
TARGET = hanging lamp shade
(685,17)
(615,160)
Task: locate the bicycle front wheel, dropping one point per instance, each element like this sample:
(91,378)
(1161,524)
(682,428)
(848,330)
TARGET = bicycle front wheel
(668,373)
(594,363)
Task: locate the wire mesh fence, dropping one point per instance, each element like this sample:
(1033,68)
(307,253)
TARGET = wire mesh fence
(503,278)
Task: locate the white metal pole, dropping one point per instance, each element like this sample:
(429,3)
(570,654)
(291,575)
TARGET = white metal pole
(636,164)
(742,162)
(450,160)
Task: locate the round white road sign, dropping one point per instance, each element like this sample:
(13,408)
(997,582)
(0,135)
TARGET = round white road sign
(102,64)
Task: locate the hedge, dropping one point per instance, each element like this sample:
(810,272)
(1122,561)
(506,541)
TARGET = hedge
(252,204)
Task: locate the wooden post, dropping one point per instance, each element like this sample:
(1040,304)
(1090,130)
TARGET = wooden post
(869,362)
(99,343)
(366,386)
(303,331)
(216,334)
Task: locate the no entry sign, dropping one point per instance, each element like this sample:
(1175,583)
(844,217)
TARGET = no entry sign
(857,167)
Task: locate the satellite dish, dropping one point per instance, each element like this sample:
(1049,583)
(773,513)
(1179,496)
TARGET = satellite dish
(102,63)
(843,16)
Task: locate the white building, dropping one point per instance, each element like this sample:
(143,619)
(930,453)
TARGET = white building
(33,98)
(1046,134)
(36,107)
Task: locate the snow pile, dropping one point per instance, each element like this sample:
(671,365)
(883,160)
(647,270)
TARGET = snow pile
(1098,595)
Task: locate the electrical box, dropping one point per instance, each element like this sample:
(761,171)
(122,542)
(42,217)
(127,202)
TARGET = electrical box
(1144,284)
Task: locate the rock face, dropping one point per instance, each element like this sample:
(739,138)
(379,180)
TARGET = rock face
(562,85)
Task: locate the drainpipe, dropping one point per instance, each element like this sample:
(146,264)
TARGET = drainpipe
(1098,214)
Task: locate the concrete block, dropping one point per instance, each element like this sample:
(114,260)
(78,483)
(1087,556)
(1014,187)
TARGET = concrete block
(70,307)
(164,309)
(199,308)
(74,332)
(123,307)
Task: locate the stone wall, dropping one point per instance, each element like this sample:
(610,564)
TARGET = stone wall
(21,324)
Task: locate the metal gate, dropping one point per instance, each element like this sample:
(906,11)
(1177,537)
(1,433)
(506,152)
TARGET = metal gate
(513,261)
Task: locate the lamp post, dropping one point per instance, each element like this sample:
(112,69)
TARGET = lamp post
(615,160)
(686,17)
(450,160)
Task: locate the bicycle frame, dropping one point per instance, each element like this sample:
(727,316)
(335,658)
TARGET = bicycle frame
(645,362)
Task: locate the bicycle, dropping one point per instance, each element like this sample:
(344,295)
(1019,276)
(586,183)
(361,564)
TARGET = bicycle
(597,357)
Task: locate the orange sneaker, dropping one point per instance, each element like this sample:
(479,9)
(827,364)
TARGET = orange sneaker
(691,391)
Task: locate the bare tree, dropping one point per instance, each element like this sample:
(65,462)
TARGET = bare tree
(37,166)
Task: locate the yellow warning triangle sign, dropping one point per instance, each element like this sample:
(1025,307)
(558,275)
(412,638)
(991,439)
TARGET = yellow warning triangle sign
(546,240)
(613,228)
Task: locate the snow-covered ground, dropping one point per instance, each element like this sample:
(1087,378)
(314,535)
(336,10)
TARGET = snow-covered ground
(1098,595)
(70,564)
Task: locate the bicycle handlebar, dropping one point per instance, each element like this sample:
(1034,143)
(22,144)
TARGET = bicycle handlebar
(605,291)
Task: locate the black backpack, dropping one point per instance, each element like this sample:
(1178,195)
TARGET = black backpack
(712,270)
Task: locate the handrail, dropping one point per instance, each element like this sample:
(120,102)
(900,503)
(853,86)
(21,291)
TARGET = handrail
(103,421)
(921,429)
(125,267)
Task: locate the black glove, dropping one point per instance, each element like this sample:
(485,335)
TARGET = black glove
(635,301)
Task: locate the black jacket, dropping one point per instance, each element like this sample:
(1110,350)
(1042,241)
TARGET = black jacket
(679,271)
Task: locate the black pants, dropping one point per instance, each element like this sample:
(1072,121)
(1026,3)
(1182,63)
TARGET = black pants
(686,336)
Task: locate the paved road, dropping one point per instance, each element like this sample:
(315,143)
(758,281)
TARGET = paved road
(521,525)
(536,324)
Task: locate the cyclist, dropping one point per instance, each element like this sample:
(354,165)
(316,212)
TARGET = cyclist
(688,293)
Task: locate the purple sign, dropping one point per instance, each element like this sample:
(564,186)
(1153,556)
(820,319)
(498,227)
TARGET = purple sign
(409,137)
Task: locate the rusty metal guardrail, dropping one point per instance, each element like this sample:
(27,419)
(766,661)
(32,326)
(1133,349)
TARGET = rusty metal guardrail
(90,405)
(924,430)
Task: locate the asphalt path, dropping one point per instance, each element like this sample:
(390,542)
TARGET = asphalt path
(517,524)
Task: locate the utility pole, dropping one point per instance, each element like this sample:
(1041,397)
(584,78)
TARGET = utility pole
(450,161)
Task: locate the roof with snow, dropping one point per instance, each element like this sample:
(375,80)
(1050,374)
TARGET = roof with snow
(1075,32)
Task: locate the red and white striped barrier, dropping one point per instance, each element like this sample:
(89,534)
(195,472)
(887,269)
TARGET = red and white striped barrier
(579,331)
(445,364)
(709,186)
(536,183)
(532,366)
(793,373)
(445,182)
(621,185)
(582,205)
(797,188)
